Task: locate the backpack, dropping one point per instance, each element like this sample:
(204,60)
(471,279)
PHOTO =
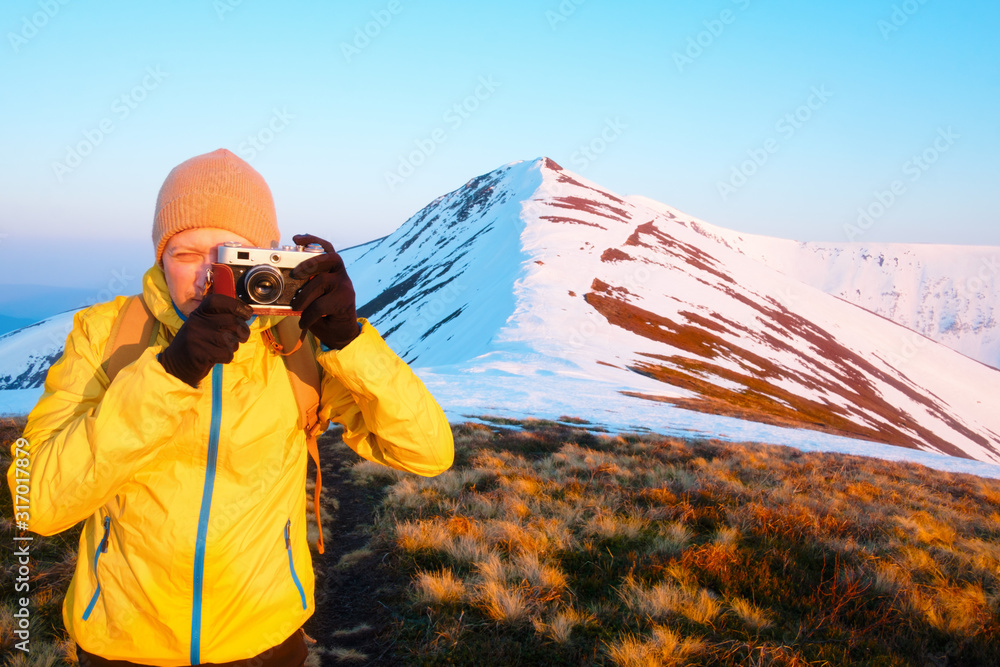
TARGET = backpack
(135,328)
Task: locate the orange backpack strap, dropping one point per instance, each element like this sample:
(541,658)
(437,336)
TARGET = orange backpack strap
(134,329)
(305,376)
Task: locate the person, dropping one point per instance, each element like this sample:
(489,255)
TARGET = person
(189,468)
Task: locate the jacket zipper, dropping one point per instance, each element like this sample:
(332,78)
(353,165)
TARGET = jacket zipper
(206,505)
(291,564)
(101,548)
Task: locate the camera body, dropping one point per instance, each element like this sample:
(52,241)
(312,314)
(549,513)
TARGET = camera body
(261,277)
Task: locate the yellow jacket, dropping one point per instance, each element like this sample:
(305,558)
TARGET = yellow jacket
(194,547)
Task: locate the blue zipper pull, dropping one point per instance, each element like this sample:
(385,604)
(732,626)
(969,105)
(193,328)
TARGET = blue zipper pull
(102,548)
(291,563)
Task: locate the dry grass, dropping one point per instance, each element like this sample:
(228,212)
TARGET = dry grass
(366,472)
(351,632)
(422,535)
(42,655)
(959,611)
(610,526)
(502,602)
(671,539)
(492,568)
(52,563)
(926,529)
(662,647)
(346,655)
(663,600)
(581,547)
(351,558)
(752,616)
(529,568)
(552,544)
(727,536)
(440,588)
(561,624)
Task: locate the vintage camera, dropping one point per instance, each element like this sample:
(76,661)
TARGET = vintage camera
(261,277)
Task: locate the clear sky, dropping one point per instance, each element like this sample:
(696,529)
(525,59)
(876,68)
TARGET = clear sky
(773,117)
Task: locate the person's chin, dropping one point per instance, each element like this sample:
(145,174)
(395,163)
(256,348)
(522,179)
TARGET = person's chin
(190,307)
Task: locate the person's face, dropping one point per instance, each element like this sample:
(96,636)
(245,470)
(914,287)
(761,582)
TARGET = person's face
(187,258)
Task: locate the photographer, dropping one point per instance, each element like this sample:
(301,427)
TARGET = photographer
(189,466)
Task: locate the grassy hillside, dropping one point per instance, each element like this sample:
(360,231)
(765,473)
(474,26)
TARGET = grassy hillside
(553,544)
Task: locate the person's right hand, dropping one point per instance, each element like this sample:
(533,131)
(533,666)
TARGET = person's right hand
(211,335)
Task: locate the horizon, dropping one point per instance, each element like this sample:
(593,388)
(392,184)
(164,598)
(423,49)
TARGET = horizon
(118,264)
(467,292)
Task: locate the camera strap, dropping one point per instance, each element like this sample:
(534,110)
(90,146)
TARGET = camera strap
(276,345)
(305,374)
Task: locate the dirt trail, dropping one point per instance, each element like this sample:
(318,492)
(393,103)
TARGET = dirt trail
(350,614)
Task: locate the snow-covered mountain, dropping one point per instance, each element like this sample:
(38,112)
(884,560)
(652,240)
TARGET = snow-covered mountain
(531,291)
(531,270)
(947,293)
(27,353)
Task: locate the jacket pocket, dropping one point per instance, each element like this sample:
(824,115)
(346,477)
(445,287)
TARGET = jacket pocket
(101,548)
(291,562)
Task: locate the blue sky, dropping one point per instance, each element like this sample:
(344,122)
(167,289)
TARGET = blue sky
(780,118)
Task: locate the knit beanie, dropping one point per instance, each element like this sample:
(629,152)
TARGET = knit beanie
(216,189)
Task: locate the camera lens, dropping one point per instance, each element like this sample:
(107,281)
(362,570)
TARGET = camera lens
(264,284)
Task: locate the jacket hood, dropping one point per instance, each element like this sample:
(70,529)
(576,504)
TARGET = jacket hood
(157,297)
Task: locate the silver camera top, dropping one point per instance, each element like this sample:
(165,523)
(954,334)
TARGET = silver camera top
(281,257)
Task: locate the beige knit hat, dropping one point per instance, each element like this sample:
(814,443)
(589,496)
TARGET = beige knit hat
(216,189)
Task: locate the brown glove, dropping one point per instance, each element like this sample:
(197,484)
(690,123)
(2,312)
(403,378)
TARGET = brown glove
(210,335)
(327,299)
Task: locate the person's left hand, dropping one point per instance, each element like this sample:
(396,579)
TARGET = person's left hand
(327,299)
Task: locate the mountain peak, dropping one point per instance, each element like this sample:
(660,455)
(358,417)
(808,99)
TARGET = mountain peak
(533,291)
(533,271)
(550,164)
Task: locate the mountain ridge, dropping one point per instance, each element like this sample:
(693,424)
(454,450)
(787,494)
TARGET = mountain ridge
(534,292)
(942,300)
(569,222)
